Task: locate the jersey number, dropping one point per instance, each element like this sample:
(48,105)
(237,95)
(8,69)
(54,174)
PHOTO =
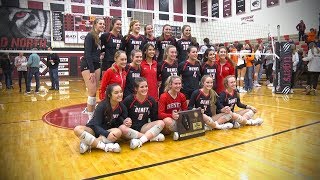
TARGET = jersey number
(140,117)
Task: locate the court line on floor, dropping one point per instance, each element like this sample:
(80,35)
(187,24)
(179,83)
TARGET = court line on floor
(22,121)
(291,109)
(278,96)
(199,154)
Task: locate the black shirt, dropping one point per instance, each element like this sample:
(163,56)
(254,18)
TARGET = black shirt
(141,112)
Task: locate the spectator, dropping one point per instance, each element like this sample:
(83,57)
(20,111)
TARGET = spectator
(204,47)
(34,65)
(301,27)
(311,36)
(7,67)
(21,63)
(53,63)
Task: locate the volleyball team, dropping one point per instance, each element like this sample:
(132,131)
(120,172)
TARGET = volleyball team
(146,81)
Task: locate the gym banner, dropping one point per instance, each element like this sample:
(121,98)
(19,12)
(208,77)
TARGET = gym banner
(215,8)
(204,10)
(24,28)
(272,2)
(240,6)
(282,82)
(255,5)
(226,8)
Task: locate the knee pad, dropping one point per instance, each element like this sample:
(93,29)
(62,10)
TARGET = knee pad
(227,116)
(155,130)
(87,138)
(91,100)
(173,126)
(132,134)
(250,114)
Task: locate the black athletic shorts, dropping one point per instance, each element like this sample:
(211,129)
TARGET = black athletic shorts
(106,65)
(84,65)
(187,93)
(241,66)
(257,62)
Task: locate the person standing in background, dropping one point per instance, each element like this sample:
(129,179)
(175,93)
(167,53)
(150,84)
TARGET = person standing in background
(34,65)
(21,63)
(53,64)
(301,27)
(7,67)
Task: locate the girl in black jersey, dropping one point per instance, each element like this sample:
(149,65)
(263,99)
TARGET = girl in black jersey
(90,65)
(133,40)
(141,109)
(209,66)
(206,99)
(164,40)
(229,98)
(133,71)
(189,70)
(148,32)
(184,43)
(168,67)
(110,43)
(102,130)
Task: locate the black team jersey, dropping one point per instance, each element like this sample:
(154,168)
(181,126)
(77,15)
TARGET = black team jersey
(191,76)
(227,99)
(131,43)
(141,112)
(111,44)
(100,123)
(152,41)
(199,99)
(164,70)
(207,69)
(162,44)
(182,46)
(132,73)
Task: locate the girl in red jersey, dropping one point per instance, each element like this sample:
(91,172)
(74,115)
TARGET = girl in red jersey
(229,98)
(133,71)
(206,99)
(133,40)
(164,40)
(170,102)
(184,43)
(103,129)
(225,67)
(142,108)
(115,74)
(168,67)
(209,66)
(189,70)
(90,65)
(111,42)
(149,70)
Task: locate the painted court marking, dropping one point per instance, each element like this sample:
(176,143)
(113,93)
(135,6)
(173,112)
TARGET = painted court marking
(199,154)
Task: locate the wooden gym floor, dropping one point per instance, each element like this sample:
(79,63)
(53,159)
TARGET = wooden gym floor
(286,146)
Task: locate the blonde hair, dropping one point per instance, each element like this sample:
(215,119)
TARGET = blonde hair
(166,50)
(226,79)
(130,27)
(169,81)
(116,56)
(213,94)
(94,33)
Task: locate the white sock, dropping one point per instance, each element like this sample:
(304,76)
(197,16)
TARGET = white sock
(143,139)
(101,145)
(105,140)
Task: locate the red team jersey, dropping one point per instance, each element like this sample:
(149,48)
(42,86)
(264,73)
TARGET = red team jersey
(167,104)
(150,73)
(222,72)
(112,76)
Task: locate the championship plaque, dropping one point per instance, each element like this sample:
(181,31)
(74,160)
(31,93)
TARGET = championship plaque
(190,124)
